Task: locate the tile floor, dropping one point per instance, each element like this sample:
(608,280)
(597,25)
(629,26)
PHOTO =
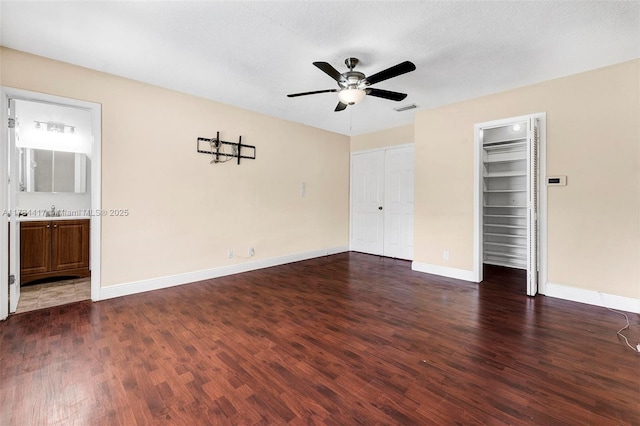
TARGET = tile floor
(46,295)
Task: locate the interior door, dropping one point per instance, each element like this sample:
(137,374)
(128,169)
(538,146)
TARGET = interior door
(4,205)
(14,236)
(398,205)
(367,192)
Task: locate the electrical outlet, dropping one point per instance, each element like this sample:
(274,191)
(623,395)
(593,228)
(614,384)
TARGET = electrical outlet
(251,252)
(445,255)
(230,254)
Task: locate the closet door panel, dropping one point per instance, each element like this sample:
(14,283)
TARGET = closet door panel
(367,192)
(399,205)
(532,215)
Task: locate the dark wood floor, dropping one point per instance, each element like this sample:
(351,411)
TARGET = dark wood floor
(340,340)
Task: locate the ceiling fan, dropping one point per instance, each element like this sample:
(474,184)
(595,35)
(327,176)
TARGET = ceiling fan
(354,85)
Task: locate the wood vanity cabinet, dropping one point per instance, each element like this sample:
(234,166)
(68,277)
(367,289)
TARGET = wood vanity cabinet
(54,248)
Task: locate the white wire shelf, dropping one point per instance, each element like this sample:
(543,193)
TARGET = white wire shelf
(499,225)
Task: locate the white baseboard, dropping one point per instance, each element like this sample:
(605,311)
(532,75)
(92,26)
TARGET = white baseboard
(592,297)
(574,294)
(190,277)
(444,271)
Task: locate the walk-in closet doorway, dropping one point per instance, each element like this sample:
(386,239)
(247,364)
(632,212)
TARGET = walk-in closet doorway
(510,198)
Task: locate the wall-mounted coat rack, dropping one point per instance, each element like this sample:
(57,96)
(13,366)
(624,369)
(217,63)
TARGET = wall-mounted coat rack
(215,148)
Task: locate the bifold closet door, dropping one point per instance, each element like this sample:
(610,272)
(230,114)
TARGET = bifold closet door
(382,202)
(532,211)
(367,192)
(398,205)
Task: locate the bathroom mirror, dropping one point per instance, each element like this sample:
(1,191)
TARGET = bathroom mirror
(43,170)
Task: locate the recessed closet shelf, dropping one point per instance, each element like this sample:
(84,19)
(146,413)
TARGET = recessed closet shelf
(494,234)
(510,255)
(503,174)
(491,243)
(502,160)
(503,143)
(499,257)
(510,263)
(505,199)
(499,225)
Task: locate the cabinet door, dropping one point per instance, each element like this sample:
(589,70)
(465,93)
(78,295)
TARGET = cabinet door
(35,247)
(70,244)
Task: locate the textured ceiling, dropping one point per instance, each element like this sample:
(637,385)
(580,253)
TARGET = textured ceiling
(251,54)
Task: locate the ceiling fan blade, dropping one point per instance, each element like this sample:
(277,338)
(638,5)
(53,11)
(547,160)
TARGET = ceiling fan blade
(293,95)
(386,94)
(394,71)
(340,107)
(329,70)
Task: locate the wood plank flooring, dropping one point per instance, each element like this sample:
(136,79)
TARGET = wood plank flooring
(339,340)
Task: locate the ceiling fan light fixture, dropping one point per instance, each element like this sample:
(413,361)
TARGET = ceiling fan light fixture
(351,96)
(353,85)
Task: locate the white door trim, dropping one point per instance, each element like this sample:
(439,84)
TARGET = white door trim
(542,196)
(96,180)
(384,148)
(4,205)
(14,235)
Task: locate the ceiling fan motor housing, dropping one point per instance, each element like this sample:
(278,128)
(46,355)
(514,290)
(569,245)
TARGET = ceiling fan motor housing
(351,63)
(352,79)
(354,85)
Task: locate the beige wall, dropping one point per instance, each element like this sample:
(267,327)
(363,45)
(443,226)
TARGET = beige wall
(184,212)
(383,138)
(593,137)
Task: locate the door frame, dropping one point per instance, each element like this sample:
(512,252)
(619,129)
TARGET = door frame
(368,151)
(4,206)
(95,110)
(542,195)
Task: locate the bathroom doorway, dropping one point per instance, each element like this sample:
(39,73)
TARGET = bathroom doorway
(52,147)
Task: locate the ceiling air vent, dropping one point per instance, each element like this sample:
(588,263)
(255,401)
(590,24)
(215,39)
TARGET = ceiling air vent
(406,108)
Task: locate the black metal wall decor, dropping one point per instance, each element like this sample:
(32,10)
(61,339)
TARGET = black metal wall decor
(215,148)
